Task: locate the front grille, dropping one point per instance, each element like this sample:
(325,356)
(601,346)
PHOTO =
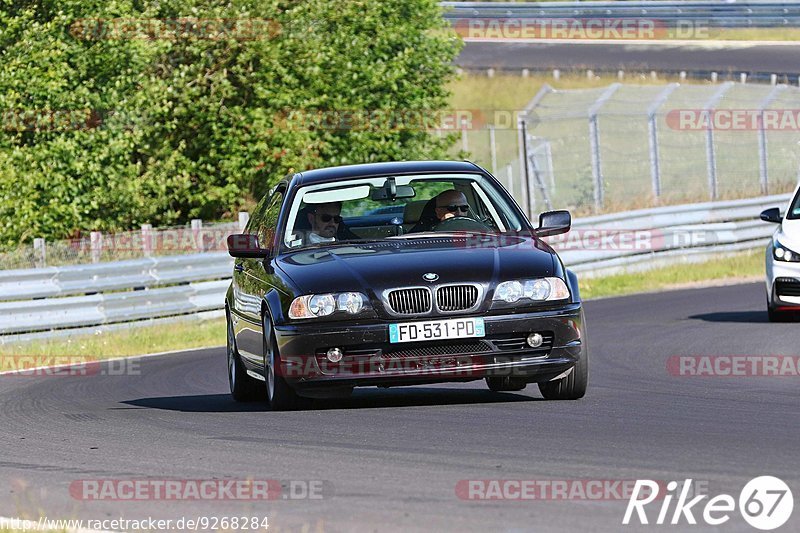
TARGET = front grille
(410,301)
(434,351)
(456,297)
(787,287)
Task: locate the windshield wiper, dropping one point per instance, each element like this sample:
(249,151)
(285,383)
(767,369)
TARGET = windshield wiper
(435,234)
(313,246)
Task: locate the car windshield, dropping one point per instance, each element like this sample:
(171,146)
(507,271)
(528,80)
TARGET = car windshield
(794,210)
(398,207)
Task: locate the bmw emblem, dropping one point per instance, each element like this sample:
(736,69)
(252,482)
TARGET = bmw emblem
(430,276)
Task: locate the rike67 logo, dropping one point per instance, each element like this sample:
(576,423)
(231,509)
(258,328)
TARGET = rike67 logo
(765,503)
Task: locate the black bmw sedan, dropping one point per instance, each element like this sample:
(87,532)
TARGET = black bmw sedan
(396,274)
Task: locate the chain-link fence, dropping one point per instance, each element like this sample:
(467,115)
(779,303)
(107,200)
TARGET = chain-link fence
(624,147)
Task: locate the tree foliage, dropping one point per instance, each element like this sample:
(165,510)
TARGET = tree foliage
(113,116)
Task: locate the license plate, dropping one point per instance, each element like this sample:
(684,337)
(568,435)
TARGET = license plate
(454,328)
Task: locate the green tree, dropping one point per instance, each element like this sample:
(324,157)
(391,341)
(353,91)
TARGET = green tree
(113,116)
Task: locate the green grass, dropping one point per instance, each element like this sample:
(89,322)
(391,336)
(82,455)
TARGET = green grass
(736,267)
(120,343)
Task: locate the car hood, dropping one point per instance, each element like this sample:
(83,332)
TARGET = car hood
(372,267)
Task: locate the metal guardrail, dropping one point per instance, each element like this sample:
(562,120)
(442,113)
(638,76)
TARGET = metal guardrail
(37,300)
(144,273)
(670,235)
(716,13)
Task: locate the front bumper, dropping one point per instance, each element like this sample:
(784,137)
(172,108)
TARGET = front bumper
(783,282)
(370,359)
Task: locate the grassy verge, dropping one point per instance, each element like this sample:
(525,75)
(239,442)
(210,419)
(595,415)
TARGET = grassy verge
(111,344)
(736,267)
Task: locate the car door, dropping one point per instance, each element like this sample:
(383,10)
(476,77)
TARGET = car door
(252,279)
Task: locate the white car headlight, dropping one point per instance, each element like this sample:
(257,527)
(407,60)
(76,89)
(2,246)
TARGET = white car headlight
(508,291)
(538,290)
(782,253)
(351,302)
(319,305)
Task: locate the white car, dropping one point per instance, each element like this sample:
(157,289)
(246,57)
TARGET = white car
(783,262)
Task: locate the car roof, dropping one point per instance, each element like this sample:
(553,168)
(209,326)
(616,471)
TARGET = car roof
(323,175)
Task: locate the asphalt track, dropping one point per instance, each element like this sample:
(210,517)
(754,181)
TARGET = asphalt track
(665,57)
(391,459)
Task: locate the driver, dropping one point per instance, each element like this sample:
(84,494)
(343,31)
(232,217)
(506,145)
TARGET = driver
(451,203)
(324,220)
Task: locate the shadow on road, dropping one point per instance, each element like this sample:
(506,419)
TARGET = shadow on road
(361,399)
(198,403)
(749,317)
(421,396)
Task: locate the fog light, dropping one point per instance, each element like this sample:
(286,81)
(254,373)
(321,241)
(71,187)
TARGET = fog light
(534,340)
(334,355)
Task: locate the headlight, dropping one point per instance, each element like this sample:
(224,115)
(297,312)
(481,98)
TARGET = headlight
(508,291)
(782,253)
(319,305)
(538,290)
(351,302)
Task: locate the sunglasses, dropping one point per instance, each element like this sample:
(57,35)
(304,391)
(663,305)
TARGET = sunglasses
(453,208)
(325,217)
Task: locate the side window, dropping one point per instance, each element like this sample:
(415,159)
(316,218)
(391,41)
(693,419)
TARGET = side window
(265,220)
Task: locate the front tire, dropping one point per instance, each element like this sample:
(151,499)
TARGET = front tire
(572,386)
(780,316)
(243,387)
(280,395)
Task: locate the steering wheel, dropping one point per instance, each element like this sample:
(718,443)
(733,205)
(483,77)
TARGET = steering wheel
(461,223)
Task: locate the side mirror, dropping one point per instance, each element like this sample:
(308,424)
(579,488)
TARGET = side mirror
(773,214)
(246,245)
(553,223)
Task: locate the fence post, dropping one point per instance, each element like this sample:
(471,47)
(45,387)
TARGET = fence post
(711,156)
(493,149)
(763,170)
(525,171)
(523,165)
(197,233)
(39,253)
(510,175)
(244,218)
(594,143)
(549,155)
(96,246)
(464,140)
(147,240)
(652,129)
